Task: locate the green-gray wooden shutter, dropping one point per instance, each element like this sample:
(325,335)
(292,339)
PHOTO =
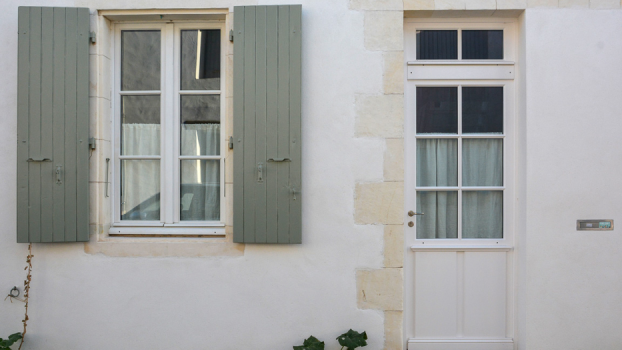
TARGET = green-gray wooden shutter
(267,119)
(53,124)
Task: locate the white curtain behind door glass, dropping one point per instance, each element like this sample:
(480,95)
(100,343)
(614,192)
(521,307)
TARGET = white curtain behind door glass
(437,165)
(482,165)
(440,219)
(141,179)
(437,162)
(482,162)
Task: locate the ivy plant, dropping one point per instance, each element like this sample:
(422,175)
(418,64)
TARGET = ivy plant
(352,340)
(311,343)
(5,344)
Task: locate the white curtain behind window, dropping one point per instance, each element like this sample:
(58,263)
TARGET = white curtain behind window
(140,179)
(200,179)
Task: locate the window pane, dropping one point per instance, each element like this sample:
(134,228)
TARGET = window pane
(437,110)
(482,109)
(140,190)
(200,190)
(482,162)
(437,162)
(140,60)
(437,44)
(482,214)
(440,219)
(482,44)
(140,125)
(200,125)
(200,59)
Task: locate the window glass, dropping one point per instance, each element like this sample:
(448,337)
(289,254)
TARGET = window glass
(140,60)
(200,59)
(482,109)
(437,44)
(200,190)
(140,125)
(437,110)
(437,162)
(482,214)
(200,125)
(140,189)
(441,214)
(482,44)
(482,162)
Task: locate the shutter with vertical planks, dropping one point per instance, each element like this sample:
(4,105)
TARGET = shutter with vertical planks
(267,124)
(53,125)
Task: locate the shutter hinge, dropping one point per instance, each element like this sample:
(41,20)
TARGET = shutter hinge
(230,142)
(91,143)
(231,35)
(93,37)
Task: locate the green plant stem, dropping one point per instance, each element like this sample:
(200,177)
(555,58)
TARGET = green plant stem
(26,292)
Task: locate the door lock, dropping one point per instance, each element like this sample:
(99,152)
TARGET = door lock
(412,213)
(411,224)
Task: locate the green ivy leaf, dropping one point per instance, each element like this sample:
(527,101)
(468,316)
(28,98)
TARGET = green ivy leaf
(352,339)
(15,337)
(6,343)
(311,343)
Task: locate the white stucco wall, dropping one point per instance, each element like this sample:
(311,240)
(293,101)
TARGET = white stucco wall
(573,154)
(272,297)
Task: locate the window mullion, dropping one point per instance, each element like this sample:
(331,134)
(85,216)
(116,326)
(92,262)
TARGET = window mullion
(168,110)
(176,128)
(459,157)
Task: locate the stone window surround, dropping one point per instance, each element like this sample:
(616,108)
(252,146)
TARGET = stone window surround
(101,66)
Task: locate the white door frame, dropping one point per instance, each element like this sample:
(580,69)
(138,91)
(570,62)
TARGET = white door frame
(443,71)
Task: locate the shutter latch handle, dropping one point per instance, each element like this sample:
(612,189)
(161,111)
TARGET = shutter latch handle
(260,172)
(294,191)
(279,160)
(59,180)
(39,160)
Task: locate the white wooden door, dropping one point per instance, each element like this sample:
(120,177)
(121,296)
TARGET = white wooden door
(459,264)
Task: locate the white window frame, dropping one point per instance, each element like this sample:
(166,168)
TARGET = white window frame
(169,223)
(507,188)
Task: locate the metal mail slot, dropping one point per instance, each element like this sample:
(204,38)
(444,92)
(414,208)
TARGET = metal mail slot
(595,225)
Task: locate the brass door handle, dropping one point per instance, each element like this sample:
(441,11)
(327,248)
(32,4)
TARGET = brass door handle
(412,213)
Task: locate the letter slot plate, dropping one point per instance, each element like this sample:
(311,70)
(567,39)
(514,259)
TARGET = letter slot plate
(595,225)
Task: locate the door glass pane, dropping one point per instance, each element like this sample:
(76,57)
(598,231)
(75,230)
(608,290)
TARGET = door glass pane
(140,60)
(482,162)
(437,162)
(200,190)
(200,125)
(437,44)
(437,110)
(440,219)
(200,59)
(482,110)
(140,190)
(482,44)
(140,125)
(482,214)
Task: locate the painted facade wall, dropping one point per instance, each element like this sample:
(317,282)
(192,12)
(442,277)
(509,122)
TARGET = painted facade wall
(573,85)
(191,294)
